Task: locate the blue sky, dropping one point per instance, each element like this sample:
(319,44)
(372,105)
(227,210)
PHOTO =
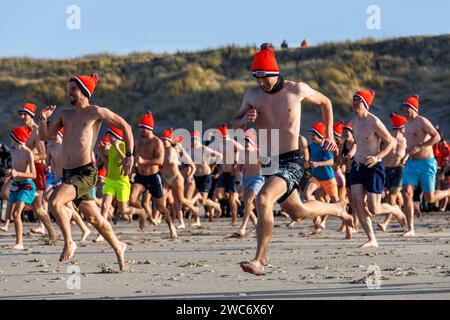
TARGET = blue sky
(38,28)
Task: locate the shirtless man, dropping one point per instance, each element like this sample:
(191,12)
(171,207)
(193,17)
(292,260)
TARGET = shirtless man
(149,159)
(367,174)
(204,158)
(252,180)
(227,181)
(82,125)
(172,178)
(421,167)
(27,113)
(55,162)
(23,189)
(394,163)
(275,104)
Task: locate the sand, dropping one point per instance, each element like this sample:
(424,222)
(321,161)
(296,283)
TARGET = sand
(204,264)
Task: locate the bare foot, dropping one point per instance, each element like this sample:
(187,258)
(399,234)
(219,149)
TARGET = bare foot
(142,219)
(39,231)
(410,233)
(370,244)
(173,233)
(348,219)
(52,240)
(4,229)
(348,233)
(417,211)
(120,253)
(99,239)
(86,233)
(382,227)
(181,226)
(196,224)
(239,234)
(291,224)
(342,228)
(18,247)
(234,223)
(253,267)
(68,252)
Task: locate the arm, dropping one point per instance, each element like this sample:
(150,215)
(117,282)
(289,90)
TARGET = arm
(119,151)
(245,114)
(329,162)
(317,98)
(388,144)
(114,120)
(188,160)
(435,137)
(49,129)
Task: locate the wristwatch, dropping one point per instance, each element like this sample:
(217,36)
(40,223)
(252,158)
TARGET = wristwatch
(128,154)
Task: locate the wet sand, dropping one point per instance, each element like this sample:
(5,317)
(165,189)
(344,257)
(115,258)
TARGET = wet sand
(204,264)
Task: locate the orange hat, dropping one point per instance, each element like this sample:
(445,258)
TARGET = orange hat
(366,96)
(265,64)
(105,139)
(338,129)
(412,102)
(147,121)
(87,84)
(349,126)
(29,108)
(250,136)
(167,135)
(179,139)
(20,134)
(61,132)
(102,172)
(196,135)
(319,129)
(398,121)
(223,130)
(116,133)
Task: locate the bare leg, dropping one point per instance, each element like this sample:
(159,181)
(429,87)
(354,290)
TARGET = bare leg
(234,196)
(7,217)
(17,212)
(85,232)
(248,201)
(392,200)
(91,212)
(408,194)
(365,217)
(44,218)
(161,207)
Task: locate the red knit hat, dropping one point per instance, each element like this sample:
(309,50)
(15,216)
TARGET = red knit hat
(223,130)
(147,121)
(265,64)
(412,102)
(349,126)
(87,84)
(398,121)
(319,129)
(196,135)
(102,172)
(250,136)
(167,135)
(116,133)
(29,108)
(366,96)
(61,132)
(338,129)
(105,139)
(179,139)
(20,134)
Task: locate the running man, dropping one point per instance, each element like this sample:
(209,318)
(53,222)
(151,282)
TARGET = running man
(117,185)
(82,125)
(393,164)
(252,180)
(367,174)
(275,104)
(149,160)
(27,113)
(204,158)
(421,167)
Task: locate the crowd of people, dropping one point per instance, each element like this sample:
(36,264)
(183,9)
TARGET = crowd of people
(354,171)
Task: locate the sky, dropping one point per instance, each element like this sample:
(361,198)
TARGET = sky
(39,28)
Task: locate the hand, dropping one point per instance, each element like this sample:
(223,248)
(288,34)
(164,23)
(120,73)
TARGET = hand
(314,164)
(252,114)
(413,150)
(127,166)
(371,161)
(47,112)
(329,143)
